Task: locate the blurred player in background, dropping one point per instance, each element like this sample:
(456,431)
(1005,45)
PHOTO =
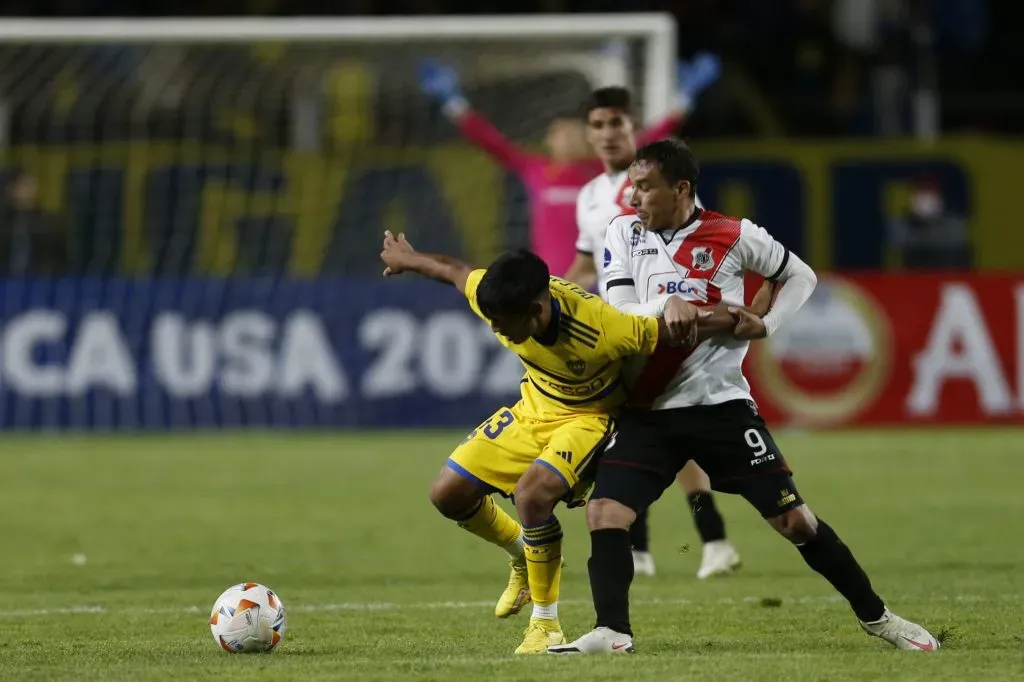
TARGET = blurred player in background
(610,132)
(552,182)
(571,343)
(695,404)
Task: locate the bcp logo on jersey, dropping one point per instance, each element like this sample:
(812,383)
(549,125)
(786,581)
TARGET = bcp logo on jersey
(669,284)
(681,288)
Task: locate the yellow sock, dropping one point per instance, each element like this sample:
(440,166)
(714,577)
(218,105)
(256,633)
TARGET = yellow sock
(491,523)
(544,566)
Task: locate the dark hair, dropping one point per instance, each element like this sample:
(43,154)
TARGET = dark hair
(612,97)
(512,283)
(674,159)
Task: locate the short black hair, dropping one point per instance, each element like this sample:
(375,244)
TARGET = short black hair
(512,283)
(674,159)
(611,97)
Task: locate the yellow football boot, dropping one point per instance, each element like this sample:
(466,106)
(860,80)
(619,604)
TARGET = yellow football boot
(541,634)
(516,594)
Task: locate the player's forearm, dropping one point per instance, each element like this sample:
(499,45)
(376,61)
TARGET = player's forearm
(582,271)
(720,322)
(649,309)
(586,280)
(798,282)
(665,127)
(483,134)
(623,297)
(440,268)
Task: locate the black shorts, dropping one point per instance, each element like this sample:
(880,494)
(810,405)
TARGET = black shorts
(729,441)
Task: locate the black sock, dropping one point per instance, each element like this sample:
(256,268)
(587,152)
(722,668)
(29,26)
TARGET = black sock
(611,572)
(638,533)
(827,555)
(710,524)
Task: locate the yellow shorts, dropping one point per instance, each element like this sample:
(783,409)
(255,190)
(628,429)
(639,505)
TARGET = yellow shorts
(498,452)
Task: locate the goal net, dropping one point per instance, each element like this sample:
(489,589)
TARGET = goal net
(193,210)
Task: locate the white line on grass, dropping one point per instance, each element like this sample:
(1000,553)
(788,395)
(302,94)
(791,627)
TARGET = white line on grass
(452,605)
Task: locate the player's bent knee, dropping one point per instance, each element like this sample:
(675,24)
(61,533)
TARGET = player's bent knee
(604,513)
(693,479)
(796,525)
(537,493)
(453,495)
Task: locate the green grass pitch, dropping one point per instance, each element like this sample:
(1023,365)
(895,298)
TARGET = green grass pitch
(379,587)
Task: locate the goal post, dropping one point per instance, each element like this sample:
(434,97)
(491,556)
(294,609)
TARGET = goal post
(342,93)
(199,231)
(656,31)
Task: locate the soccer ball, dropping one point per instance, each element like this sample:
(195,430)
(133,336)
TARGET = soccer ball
(248,618)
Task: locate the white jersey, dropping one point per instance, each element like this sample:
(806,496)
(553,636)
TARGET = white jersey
(704,262)
(601,200)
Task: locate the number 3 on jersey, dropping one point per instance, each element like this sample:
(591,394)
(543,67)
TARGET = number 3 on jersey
(492,429)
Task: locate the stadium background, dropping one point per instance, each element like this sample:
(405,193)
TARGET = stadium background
(204,219)
(189,245)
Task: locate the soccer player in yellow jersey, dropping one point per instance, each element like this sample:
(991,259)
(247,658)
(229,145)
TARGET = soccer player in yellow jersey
(540,450)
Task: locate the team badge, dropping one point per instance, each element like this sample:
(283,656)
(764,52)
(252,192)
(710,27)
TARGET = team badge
(577,367)
(702,260)
(638,236)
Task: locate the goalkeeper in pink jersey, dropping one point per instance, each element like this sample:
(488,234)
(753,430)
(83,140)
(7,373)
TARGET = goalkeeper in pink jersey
(552,182)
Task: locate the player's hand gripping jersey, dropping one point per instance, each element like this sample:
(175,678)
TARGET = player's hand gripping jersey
(572,383)
(703,262)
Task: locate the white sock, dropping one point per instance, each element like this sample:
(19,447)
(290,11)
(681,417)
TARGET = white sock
(549,612)
(515,549)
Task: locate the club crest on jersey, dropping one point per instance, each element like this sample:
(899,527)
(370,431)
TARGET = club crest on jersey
(702,260)
(576,366)
(638,235)
(683,288)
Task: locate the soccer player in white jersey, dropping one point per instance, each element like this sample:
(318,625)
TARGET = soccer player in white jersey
(610,131)
(695,403)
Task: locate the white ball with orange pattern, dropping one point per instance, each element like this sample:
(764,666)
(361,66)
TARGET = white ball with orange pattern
(248,618)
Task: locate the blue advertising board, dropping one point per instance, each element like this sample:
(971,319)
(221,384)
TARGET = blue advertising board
(136,354)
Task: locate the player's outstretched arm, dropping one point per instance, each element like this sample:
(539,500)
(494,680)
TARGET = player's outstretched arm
(690,325)
(727,319)
(440,82)
(687,324)
(720,321)
(399,256)
(763,299)
(693,78)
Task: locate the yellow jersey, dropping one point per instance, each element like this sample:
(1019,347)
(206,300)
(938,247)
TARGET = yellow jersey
(573,366)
